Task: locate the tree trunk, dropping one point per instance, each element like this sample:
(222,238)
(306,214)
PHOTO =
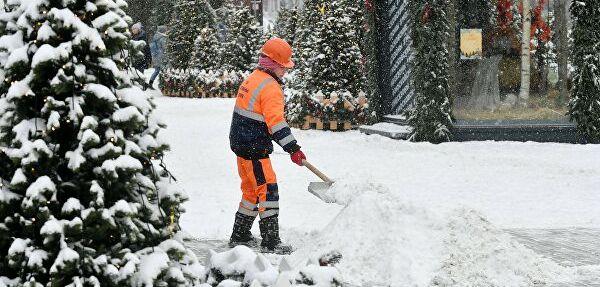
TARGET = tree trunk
(485,94)
(525,51)
(562,49)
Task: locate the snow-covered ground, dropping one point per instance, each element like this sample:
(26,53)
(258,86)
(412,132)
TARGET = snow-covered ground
(416,212)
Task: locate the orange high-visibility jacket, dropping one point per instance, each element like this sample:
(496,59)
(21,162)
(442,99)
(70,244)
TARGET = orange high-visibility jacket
(258,118)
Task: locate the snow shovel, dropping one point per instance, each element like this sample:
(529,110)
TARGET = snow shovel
(319,189)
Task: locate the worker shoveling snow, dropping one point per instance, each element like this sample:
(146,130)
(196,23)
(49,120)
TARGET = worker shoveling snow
(387,241)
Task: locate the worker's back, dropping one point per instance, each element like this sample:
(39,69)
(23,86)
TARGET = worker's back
(249,135)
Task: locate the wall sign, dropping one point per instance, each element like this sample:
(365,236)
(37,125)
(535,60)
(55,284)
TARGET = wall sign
(471,44)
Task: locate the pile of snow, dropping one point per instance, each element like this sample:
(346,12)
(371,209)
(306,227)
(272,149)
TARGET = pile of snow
(241,266)
(385,240)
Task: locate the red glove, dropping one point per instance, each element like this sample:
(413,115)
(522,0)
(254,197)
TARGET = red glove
(297,157)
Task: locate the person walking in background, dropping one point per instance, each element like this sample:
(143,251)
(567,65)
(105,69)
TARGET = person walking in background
(157,48)
(138,33)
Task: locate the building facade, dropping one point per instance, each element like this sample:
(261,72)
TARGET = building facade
(270,10)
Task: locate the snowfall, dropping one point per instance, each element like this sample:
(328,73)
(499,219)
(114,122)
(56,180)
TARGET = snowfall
(408,214)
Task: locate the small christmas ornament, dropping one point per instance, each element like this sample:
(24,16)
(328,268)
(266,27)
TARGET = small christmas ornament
(426,14)
(369,5)
(321,8)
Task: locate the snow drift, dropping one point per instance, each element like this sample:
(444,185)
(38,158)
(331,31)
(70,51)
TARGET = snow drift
(387,241)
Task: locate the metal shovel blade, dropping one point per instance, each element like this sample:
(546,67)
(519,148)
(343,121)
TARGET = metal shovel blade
(319,189)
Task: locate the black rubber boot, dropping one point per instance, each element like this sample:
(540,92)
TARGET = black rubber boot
(271,243)
(241,234)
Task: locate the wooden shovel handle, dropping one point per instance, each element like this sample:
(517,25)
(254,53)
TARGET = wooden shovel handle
(316,171)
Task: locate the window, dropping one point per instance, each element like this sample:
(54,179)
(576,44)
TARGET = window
(488,63)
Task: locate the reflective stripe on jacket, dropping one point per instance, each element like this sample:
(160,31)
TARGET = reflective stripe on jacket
(258,118)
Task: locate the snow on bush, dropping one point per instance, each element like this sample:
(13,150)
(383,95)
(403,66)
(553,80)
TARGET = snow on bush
(195,81)
(240,264)
(336,106)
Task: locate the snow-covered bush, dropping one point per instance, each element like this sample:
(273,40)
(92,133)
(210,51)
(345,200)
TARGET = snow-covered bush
(201,83)
(241,266)
(340,106)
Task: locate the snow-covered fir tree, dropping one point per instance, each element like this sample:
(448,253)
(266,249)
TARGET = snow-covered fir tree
(162,13)
(244,37)
(331,62)
(82,203)
(304,35)
(430,117)
(584,107)
(189,18)
(207,50)
(286,24)
(330,57)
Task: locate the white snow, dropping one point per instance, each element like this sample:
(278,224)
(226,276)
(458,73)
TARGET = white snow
(45,32)
(383,231)
(18,246)
(101,92)
(147,142)
(52,226)
(36,258)
(72,204)
(123,162)
(109,18)
(242,261)
(53,121)
(48,53)
(76,158)
(17,56)
(19,177)
(90,137)
(97,190)
(19,89)
(38,190)
(11,42)
(135,97)
(65,256)
(131,147)
(89,122)
(229,283)
(82,32)
(321,275)
(417,213)
(121,207)
(128,114)
(392,128)
(7,196)
(150,267)
(127,162)
(107,148)
(23,130)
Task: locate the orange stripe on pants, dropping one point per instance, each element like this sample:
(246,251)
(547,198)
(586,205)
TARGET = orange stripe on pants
(259,187)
